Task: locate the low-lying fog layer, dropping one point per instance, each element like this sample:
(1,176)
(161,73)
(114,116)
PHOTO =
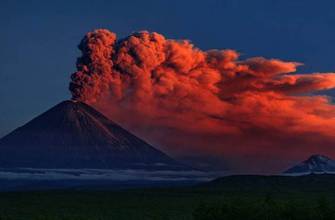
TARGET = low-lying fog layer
(96,174)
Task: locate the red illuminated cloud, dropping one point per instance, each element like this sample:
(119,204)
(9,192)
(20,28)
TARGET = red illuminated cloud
(205,103)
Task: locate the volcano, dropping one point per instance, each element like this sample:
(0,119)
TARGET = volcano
(74,135)
(316,164)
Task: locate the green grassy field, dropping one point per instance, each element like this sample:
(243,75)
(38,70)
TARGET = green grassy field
(261,199)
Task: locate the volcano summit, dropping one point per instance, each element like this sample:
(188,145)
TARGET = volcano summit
(74,135)
(315,164)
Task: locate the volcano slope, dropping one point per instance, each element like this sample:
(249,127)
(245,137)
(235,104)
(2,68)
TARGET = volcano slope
(74,135)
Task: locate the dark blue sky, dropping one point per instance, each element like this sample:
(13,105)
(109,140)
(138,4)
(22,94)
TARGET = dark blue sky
(39,39)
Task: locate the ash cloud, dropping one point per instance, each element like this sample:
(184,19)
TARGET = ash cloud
(203,103)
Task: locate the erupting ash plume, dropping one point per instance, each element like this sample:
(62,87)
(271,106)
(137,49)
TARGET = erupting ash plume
(205,103)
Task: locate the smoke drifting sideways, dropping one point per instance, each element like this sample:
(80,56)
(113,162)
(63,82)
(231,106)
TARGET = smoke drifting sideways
(256,114)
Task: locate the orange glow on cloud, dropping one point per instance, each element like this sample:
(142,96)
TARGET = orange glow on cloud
(205,103)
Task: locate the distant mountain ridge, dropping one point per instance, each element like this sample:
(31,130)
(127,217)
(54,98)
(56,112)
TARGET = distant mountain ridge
(75,135)
(314,164)
(273,183)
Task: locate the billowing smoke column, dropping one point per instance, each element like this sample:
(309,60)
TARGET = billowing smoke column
(254,112)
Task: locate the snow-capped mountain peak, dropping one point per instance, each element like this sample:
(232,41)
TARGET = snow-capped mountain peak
(314,164)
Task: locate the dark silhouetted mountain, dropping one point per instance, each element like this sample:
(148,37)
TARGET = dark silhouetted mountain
(274,184)
(314,164)
(75,135)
